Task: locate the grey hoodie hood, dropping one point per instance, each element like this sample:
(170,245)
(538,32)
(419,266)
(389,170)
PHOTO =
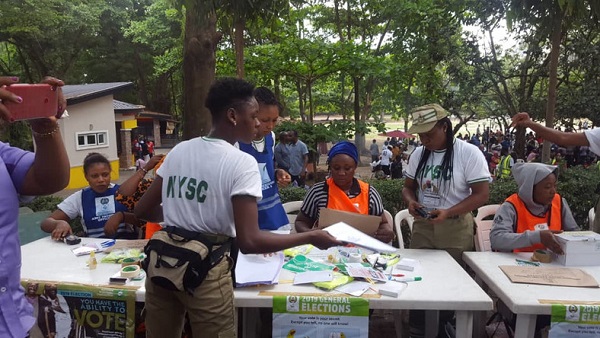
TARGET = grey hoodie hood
(527,175)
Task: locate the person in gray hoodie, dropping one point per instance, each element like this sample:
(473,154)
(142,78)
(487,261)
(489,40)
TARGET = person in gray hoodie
(528,219)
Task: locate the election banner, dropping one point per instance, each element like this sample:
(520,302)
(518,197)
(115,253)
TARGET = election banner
(80,311)
(320,317)
(575,321)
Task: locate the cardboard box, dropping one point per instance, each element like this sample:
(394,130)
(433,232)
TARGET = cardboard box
(581,248)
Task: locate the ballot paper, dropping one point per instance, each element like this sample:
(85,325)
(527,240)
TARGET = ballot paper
(349,235)
(355,288)
(86,249)
(255,269)
(313,277)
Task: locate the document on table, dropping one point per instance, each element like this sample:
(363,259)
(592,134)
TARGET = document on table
(549,276)
(347,234)
(257,269)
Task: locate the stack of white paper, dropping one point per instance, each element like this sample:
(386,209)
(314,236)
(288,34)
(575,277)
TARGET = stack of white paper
(257,269)
(347,234)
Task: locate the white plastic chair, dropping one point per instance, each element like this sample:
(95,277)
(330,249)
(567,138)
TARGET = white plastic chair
(482,235)
(400,216)
(291,208)
(591,217)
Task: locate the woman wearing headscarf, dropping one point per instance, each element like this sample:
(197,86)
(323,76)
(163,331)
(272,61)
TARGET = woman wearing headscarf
(342,191)
(529,218)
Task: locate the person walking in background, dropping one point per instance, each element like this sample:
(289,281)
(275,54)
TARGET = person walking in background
(150,148)
(298,154)
(386,159)
(504,166)
(281,154)
(23,174)
(374,150)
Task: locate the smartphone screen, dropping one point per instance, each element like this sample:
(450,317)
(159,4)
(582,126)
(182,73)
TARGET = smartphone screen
(39,101)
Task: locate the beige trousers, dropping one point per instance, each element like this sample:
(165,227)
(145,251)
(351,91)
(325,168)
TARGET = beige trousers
(453,235)
(210,308)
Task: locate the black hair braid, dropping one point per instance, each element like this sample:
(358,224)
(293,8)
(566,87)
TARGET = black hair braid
(446,167)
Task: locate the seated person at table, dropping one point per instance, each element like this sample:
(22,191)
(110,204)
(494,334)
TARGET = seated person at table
(528,220)
(94,204)
(341,191)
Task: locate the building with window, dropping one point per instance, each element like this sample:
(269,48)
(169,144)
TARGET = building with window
(99,123)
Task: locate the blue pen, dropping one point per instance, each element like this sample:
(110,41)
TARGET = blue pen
(524,262)
(408,279)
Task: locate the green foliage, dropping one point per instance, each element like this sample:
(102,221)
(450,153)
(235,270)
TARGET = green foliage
(49,203)
(18,134)
(290,194)
(391,194)
(576,185)
(44,203)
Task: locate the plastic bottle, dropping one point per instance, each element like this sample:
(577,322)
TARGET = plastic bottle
(92,263)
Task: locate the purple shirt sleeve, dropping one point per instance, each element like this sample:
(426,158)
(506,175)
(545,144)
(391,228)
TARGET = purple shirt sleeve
(16,312)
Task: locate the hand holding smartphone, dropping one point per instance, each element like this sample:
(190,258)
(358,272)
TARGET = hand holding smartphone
(39,101)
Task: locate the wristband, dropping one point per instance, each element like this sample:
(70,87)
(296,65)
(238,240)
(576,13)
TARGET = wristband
(144,170)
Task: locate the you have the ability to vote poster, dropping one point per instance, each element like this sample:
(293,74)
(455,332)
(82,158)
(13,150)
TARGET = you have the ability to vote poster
(575,321)
(320,317)
(80,311)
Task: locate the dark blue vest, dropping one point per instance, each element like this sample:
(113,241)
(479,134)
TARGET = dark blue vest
(271,215)
(97,209)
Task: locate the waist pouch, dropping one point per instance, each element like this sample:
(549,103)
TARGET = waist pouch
(179,260)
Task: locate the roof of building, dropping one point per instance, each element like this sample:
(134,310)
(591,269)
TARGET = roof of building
(85,92)
(120,105)
(155,115)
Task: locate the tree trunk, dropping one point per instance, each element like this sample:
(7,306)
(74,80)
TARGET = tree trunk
(239,27)
(552,80)
(357,110)
(199,60)
(311,113)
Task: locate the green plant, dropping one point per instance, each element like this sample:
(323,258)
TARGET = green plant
(49,203)
(290,194)
(43,203)
(391,194)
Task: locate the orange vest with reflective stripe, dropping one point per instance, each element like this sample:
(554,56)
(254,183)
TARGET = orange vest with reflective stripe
(338,200)
(527,221)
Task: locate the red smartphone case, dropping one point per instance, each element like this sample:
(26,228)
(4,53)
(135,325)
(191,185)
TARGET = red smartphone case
(39,101)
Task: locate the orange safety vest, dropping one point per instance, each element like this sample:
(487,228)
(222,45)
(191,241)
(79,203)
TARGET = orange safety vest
(527,221)
(338,200)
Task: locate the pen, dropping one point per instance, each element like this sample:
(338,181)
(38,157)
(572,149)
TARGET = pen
(522,261)
(407,279)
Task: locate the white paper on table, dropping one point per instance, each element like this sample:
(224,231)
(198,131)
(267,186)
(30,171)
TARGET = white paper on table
(391,288)
(355,288)
(86,249)
(347,234)
(256,269)
(408,264)
(365,272)
(313,277)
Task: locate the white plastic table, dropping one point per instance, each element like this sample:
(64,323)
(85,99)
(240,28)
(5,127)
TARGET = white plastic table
(49,260)
(524,299)
(445,286)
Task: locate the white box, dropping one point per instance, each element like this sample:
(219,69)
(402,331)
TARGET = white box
(581,248)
